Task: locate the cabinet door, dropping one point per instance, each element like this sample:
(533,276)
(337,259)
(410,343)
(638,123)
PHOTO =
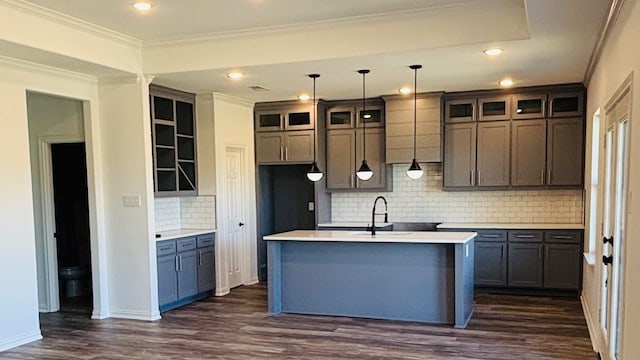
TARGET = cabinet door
(167,279)
(525,264)
(495,108)
(298,146)
(206,269)
(269,120)
(187,274)
(565,151)
(459,155)
(493,153)
(566,104)
(461,110)
(372,116)
(375,158)
(528,152)
(341,152)
(269,147)
(529,106)
(299,118)
(562,266)
(341,117)
(490,263)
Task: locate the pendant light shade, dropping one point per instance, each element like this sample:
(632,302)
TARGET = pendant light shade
(314,174)
(364,172)
(415,172)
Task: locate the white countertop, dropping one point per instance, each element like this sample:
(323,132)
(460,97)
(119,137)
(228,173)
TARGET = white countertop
(353,224)
(510,226)
(419,237)
(174,234)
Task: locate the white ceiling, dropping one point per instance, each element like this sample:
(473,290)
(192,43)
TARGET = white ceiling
(545,42)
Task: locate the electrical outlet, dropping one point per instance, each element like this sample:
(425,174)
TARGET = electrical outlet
(312,206)
(131,201)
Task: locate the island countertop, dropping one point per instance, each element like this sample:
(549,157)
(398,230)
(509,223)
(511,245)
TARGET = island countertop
(416,237)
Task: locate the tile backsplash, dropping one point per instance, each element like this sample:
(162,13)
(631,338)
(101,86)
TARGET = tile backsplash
(423,200)
(188,212)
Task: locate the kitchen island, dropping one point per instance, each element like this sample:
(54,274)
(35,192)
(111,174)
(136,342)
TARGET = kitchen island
(412,276)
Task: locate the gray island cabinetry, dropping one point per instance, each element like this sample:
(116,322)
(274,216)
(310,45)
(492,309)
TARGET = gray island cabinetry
(411,276)
(186,270)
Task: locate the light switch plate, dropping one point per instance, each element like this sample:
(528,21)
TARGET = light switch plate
(312,206)
(131,201)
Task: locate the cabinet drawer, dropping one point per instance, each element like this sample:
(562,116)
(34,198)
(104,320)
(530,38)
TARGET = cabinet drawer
(165,248)
(563,236)
(186,244)
(205,240)
(525,236)
(491,235)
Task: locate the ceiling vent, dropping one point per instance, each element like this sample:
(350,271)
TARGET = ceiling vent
(258,88)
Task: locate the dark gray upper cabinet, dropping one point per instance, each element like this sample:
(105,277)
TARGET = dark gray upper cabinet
(528,152)
(460,110)
(459,155)
(566,104)
(174,141)
(493,153)
(284,132)
(529,106)
(399,114)
(565,151)
(375,152)
(525,265)
(494,108)
(341,159)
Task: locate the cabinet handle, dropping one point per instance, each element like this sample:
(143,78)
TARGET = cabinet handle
(177,262)
(281,151)
(286,153)
(525,236)
(200,258)
(542,176)
(502,253)
(490,236)
(549,176)
(478,177)
(180,257)
(562,237)
(471,177)
(351,180)
(165,248)
(539,255)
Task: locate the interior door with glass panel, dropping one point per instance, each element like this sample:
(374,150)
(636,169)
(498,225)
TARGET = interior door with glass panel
(614,217)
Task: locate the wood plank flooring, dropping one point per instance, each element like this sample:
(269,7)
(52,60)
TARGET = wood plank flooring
(237,326)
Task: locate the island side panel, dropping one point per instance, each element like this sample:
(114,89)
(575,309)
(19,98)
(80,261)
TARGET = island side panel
(464,258)
(397,281)
(274,276)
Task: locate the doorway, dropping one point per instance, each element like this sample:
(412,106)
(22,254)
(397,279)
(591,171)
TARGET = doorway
(71,217)
(614,216)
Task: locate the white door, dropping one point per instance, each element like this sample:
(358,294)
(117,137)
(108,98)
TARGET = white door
(614,217)
(235,214)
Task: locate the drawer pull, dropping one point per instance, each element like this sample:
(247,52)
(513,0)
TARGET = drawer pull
(562,237)
(166,248)
(491,236)
(525,236)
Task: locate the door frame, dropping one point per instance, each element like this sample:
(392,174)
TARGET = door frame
(248,252)
(623,94)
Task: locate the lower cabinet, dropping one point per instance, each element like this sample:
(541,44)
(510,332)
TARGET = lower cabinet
(525,265)
(490,263)
(562,266)
(186,270)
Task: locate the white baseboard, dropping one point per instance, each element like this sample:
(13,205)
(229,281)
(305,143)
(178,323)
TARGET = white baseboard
(10,343)
(590,325)
(99,315)
(135,315)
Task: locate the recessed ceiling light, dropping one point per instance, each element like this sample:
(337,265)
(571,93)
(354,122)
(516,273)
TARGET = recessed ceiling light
(304,97)
(506,82)
(404,90)
(493,51)
(142,6)
(234,75)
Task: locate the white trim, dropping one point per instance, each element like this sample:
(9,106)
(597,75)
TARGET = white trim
(99,315)
(590,258)
(45,69)
(20,340)
(67,20)
(135,315)
(590,326)
(234,100)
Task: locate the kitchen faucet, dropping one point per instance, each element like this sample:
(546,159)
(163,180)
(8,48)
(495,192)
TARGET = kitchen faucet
(373,214)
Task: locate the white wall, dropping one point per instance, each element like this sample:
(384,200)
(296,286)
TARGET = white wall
(620,59)
(233,126)
(126,148)
(51,119)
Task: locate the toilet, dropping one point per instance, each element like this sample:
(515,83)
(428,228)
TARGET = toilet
(72,279)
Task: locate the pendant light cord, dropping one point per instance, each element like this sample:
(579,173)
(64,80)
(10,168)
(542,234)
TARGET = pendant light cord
(315,110)
(415,111)
(364,118)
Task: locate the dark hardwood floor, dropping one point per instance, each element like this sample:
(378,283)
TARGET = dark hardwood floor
(237,326)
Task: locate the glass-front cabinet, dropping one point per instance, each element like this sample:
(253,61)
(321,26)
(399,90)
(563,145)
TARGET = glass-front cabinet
(529,106)
(495,108)
(285,118)
(460,110)
(174,142)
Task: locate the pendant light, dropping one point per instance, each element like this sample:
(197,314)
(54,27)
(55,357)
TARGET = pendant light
(364,172)
(314,174)
(415,172)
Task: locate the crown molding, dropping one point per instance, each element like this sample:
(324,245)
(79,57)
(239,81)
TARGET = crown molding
(297,27)
(233,100)
(45,69)
(614,11)
(63,19)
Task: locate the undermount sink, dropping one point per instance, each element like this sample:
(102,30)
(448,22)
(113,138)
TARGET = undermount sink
(381,233)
